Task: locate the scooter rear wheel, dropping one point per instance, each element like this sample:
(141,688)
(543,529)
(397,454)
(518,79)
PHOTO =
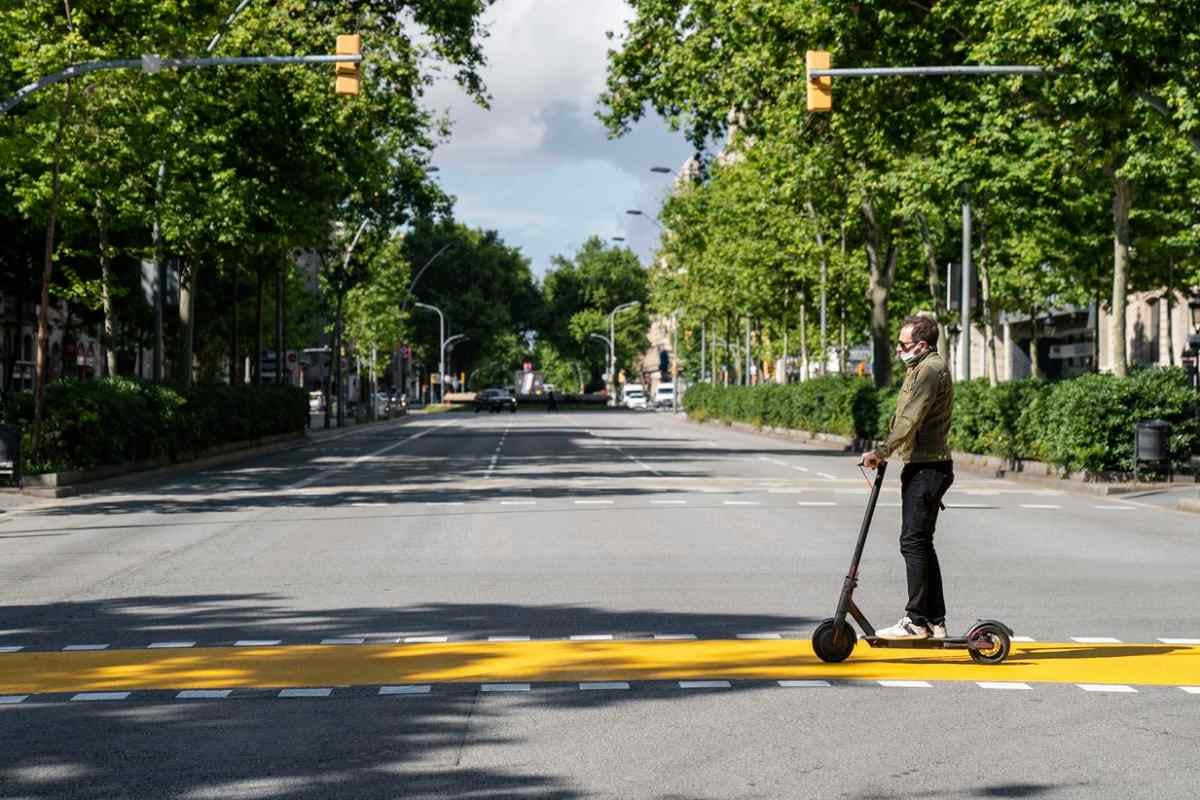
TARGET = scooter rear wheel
(833,643)
(1000,643)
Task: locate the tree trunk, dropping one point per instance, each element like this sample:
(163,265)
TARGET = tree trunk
(1122,201)
(1170,301)
(43,332)
(989,319)
(804,365)
(337,355)
(258,330)
(279,324)
(235,368)
(883,275)
(1034,370)
(824,264)
(108,355)
(936,293)
(187,323)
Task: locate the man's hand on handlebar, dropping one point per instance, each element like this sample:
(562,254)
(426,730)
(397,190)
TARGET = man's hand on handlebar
(871,460)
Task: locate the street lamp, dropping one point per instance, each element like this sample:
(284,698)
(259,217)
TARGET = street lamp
(634,212)
(612,344)
(441,346)
(607,343)
(447,346)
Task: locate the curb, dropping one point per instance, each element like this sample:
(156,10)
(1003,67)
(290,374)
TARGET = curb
(991,466)
(227,454)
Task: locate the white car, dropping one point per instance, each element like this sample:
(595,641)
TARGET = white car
(633,397)
(664,395)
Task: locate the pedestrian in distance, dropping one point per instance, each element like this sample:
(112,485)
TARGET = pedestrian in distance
(552,403)
(918,435)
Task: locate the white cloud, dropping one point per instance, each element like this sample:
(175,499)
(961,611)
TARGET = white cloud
(538,167)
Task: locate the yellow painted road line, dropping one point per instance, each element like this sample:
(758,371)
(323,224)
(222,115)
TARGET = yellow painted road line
(560,661)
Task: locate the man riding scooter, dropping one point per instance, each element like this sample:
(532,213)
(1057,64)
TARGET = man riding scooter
(919,436)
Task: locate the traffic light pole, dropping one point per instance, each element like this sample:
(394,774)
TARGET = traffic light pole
(151,64)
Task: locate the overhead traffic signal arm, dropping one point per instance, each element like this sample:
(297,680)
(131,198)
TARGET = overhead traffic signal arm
(819,74)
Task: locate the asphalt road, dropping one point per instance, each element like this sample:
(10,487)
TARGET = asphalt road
(630,526)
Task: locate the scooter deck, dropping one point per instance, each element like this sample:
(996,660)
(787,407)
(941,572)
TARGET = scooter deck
(949,643)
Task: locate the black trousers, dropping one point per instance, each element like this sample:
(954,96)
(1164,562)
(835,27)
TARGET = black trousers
(922,486)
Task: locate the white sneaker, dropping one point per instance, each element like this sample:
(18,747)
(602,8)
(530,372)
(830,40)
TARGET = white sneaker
(937,630)
(904,629)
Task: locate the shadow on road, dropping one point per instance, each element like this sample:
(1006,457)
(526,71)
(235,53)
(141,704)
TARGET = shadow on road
(226,618)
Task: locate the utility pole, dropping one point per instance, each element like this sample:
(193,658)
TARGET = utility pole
(964,342)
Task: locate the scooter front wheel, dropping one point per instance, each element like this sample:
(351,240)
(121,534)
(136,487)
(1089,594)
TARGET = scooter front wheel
(832,642)
(998,641)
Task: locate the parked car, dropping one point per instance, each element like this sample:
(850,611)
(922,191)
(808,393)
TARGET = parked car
(634,396)
(664,395)
(495,401)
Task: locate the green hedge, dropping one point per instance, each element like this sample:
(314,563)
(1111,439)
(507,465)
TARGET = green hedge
(833,404)
(96,423)
(1086,423)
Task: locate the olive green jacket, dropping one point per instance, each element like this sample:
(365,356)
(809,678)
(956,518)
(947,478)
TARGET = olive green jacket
(921,427)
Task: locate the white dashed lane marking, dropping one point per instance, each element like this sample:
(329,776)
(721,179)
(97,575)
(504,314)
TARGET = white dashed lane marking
(1039,505)
(203,694)
(504,687)
(86,697)
(12,699)
(827,476)
(423,688)
(1003,685)
(12,648)
(257,642)
(306,692)
(1191,689)
(603,685)
(1180,641)
(75,647)
(905,684)
(508,638)
(354,640)
(425,639)
(1107,687)
(592,637)
(518,502)
(670,637)
(170,645)
(593,502)
(815,503)
(805,684)
(1095,640)
(1115,508)
(705,685)
(759,636)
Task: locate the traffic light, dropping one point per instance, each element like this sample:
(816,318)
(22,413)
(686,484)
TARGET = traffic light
(820,90)
(348,73)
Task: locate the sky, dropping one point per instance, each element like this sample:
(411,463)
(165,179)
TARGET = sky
(538,166)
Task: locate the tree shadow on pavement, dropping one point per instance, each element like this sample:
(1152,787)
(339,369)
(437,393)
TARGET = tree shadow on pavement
(226,618)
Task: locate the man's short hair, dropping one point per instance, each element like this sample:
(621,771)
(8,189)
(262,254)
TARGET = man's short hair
(923,328)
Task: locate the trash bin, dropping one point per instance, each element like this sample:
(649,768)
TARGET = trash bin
(1152,445)
(10,453)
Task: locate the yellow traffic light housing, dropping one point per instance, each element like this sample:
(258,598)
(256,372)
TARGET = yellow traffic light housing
(349,73)
(820,89)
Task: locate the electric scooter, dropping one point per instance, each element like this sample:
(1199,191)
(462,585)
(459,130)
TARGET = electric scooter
(988,641)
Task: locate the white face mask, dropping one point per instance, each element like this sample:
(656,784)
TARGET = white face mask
(914,353)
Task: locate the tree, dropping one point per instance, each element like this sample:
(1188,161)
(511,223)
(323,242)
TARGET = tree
(580,292)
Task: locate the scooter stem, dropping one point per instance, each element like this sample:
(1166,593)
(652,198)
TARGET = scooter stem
(852,576)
